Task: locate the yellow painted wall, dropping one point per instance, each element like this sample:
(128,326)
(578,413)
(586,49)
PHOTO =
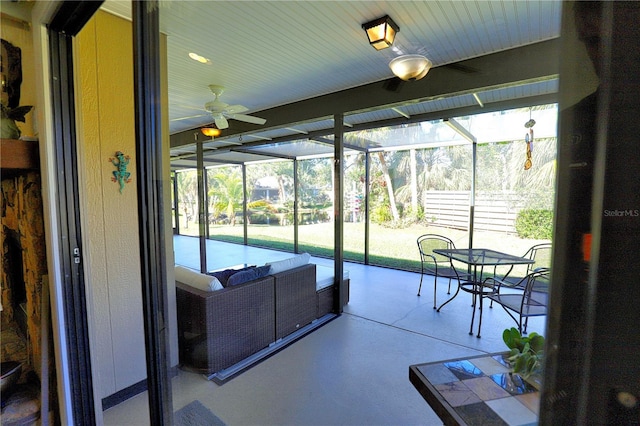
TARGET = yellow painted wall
(106,120)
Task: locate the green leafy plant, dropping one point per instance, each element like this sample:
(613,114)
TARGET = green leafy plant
(9,116)
(526,352)
(381,213)
(533,223)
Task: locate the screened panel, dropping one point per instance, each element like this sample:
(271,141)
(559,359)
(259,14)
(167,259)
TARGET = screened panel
(388,237)
(315,206)
(354,205)
(173,202)
(300,148)
(270,200)
(187,204)
(225,197)
(515,188)
(509,125)
(406,136)
(420,182)
(415,192)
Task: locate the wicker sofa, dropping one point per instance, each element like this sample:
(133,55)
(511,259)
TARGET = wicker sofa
(221,328)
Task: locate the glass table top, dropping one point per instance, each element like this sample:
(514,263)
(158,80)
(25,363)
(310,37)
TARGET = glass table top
(481,256)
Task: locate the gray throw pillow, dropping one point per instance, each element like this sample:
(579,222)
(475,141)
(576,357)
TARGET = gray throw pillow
(248,275)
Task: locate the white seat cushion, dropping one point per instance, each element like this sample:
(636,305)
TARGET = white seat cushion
(197,280)
(290,263)
(324,276)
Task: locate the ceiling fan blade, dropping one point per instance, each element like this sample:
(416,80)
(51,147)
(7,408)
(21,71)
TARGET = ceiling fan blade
(247,118)
(188,107)
(234,109)
(221,122)
(188,117)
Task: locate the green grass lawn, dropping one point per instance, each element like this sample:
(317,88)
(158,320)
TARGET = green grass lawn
(390,247)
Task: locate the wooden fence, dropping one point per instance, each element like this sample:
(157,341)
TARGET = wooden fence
(494,211)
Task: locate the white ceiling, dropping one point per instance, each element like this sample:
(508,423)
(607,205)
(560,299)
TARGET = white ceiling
(271,53)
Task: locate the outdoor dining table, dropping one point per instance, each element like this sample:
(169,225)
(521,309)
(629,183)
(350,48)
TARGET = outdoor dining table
(478,258)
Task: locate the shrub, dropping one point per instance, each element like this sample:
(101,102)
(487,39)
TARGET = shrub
(260,205)
(536,224)
(381,214)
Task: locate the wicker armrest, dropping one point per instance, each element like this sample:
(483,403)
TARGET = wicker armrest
(217,329)
(295,299)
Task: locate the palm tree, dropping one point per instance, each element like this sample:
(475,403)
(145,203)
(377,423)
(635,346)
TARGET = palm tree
(226,192)
(444,168)
(537,185)
(314,180)
(389,185)
(187,183)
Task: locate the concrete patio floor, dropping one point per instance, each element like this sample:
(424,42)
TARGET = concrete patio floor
(352,371)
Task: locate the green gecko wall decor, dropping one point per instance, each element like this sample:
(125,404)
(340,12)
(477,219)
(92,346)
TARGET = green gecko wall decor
(120,175)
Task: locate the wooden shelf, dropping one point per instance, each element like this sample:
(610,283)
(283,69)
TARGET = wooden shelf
(19,154)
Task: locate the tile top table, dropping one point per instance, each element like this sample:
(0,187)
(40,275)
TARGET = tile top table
(476,391)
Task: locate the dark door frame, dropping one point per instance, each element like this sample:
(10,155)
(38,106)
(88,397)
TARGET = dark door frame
(65,24)
(146,70)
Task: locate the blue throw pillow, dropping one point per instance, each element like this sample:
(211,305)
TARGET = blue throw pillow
(248,275)
(223,276)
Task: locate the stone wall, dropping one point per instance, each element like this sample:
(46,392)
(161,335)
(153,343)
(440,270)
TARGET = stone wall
(22,216)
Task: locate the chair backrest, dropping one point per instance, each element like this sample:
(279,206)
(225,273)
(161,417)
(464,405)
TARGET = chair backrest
(542,254)
(428,242)
(537,287)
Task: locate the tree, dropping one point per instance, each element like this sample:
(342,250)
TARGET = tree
(314,181)
(282,171)
(389,185)
(187,183)
(226,192)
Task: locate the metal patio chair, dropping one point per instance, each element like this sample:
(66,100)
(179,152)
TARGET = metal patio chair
(528,298)
(434,264)
(541,255)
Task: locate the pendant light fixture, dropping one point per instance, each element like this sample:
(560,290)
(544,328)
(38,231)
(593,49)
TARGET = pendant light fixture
(381,32)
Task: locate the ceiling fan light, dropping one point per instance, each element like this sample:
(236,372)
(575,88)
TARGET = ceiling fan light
(381,32)
(410,67)
(210,131)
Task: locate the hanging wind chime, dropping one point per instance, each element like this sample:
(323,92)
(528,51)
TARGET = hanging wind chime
(528,138)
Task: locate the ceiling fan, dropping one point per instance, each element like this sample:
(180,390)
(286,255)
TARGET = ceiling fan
(221,111)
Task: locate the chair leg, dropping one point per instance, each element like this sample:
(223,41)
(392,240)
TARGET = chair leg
(473,316)
(435,285)
(421,276)
(449,289)
(450,299)
(480,315)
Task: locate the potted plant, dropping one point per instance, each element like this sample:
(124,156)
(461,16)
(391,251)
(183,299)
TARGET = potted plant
(526,354)
(8,118)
